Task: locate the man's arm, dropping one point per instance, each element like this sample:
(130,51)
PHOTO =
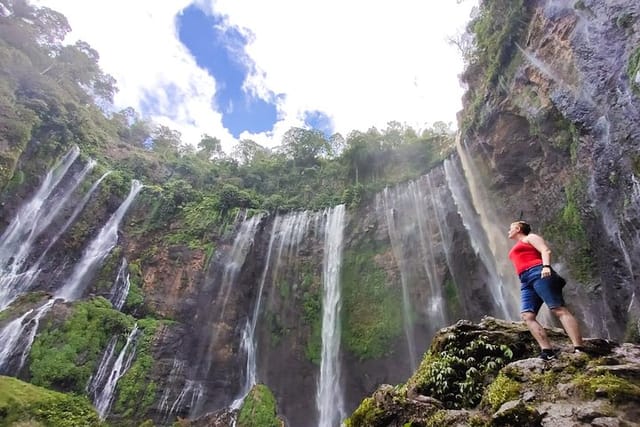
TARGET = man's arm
(539,243)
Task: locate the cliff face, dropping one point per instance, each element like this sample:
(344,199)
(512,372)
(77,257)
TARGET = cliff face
(558,139)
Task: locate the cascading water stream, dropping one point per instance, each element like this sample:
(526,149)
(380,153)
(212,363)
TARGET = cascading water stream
(479,240)
(232,265)
(26,220)
(13,286)
(31,220)
(97,250)
(104,369)
(329,398)
(121,286)
(104,397)
(237,257)
(177,371)
(45,216)
(400,259)
(289,232)
(79,207)
(18,335)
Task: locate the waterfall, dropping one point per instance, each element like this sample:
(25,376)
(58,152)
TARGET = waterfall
(97,250)
(11,286)
(17,337)
(121,286)
(412,223)
(289,232)
(26,221)
(237,257)
(29,223)
(477,226)
(99,378)
(191,388)
(230,264)
(104,398)
(329,399)
(176,373)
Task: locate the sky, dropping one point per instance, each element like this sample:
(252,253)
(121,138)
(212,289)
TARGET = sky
(252,69)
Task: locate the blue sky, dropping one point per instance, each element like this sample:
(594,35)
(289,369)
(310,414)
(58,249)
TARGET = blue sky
(220,50)
(245,69)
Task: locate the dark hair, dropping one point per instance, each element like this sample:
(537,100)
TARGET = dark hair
(524,227)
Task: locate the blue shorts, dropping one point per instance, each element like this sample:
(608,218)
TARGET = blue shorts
(535,290)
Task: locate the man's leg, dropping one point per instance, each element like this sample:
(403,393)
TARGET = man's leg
(570,324)
(536,329)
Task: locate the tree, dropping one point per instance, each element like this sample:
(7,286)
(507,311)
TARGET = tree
(305,146)
(209,147)
(247,151)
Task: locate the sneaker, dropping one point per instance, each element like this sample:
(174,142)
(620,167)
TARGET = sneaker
(579,350)
(547,354)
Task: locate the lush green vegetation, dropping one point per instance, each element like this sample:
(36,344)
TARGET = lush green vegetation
(25,404)
(569,235)
(52,92)
(372,306)
(364,415)
(501,390)
(136,390)
(494,32)
(312,315)
(65,355)
(456,375)
(259,409)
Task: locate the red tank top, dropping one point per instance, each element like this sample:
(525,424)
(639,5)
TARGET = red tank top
(524,256)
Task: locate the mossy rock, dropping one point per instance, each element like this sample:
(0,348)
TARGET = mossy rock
(502,390)
(605,384)
(259,409)
(517,413)
(28,405)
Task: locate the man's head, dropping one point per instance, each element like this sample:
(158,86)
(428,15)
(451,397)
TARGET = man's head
(520,227)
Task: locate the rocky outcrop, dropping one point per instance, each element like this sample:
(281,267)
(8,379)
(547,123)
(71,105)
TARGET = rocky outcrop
(498,381)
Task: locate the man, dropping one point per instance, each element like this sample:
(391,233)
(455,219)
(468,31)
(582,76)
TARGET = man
(531,258)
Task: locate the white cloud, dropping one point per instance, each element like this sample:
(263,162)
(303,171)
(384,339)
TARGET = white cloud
(364,63)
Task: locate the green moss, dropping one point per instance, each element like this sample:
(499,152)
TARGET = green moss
(21,304)
(372,307)
(64,357)
(277,331)
(632,332)
(23,402)
(437,419)
(364,415)
(502,390)
(518,415)
(136,391)
(569,233)
(633,68)
(308,296)
(103,283)
(616,389)
(451,295)
(312,314)
(259,409)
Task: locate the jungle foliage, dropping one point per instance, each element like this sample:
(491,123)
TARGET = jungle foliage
(28,405)
(54,96)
